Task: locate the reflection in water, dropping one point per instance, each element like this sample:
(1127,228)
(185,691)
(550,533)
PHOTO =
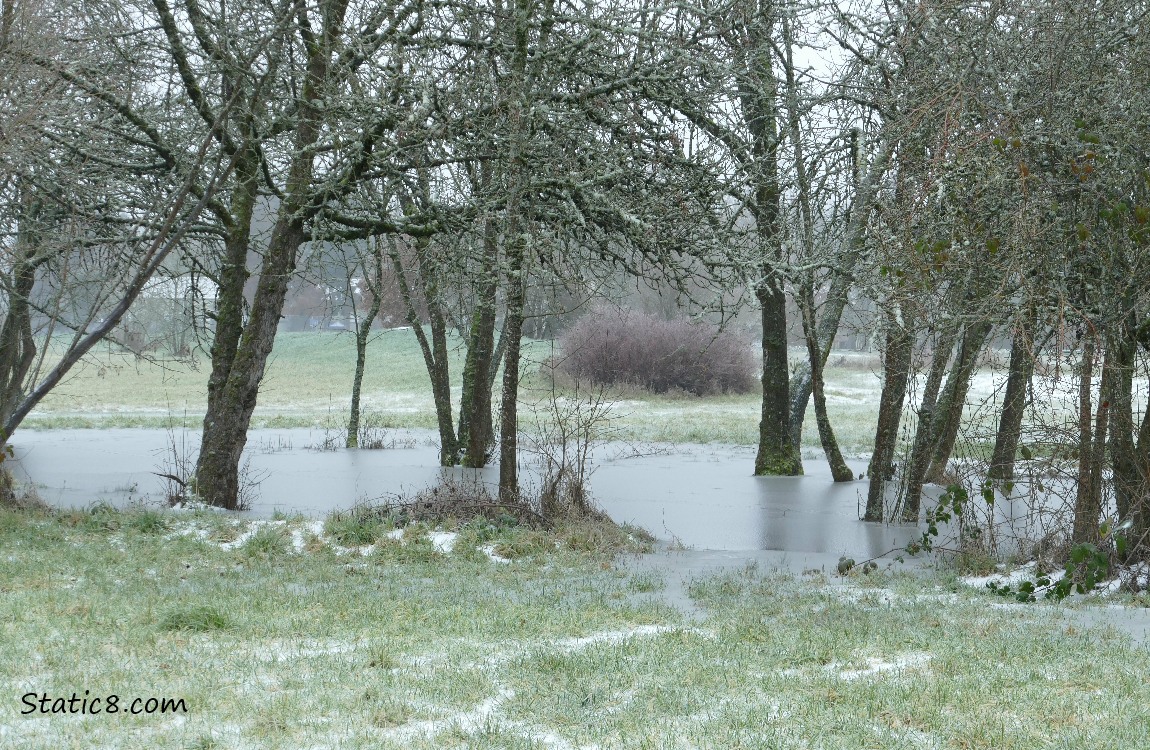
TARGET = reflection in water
(706,497)
(702,496)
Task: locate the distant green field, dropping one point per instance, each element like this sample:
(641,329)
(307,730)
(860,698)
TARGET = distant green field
(309,383)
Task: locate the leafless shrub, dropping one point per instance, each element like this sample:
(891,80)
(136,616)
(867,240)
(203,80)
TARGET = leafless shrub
(17,497)
(178,462)
(566,431)
(373,434)
(613,347)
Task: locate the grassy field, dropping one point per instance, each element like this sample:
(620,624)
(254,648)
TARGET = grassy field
(309,383)
(277,637)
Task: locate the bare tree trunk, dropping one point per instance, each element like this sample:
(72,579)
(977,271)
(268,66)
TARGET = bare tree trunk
(1014,400)
(1130,467)
(508,408)
(434,351)
(475,431)
(896,373)
(441,386)
(497,358)
(1101,429)
(842,279)
(840,472)
(17,345)
(924,430)
(1086,505)
(954,399)
(515,242)
(362,331)
(1139,498)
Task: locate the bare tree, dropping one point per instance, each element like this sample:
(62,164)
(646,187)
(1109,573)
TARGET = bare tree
(94,196)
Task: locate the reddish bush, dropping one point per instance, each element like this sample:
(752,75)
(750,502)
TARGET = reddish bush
(621,347)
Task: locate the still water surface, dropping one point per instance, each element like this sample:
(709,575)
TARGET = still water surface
(703,496)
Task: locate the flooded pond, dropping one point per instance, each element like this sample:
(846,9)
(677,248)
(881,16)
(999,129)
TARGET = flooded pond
(698,496)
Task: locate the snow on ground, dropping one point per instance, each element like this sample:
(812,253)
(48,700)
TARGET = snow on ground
(443,541)
(487,713)
(1127,578)
(1135,577)
(852,594)
(492,555)
(468,721)
(289,649)
(876,665)
(618,636)
(1012,578)
(300,534)
(253,528)
(298,538)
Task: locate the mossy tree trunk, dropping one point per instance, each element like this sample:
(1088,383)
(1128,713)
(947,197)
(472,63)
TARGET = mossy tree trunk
(475,429)
(509,402)
(757,93)
(899,346)
(228,316)
(227,420)
(776,455)
(924,432)
(226,424)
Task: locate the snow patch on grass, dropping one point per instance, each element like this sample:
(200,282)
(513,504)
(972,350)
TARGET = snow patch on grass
(467,721)
(876,666)
(488,714)
(253,528)
(288,650)
(618,636)
(299,538)
(492,555)
(1014,577)
(301,534)
(443,541)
